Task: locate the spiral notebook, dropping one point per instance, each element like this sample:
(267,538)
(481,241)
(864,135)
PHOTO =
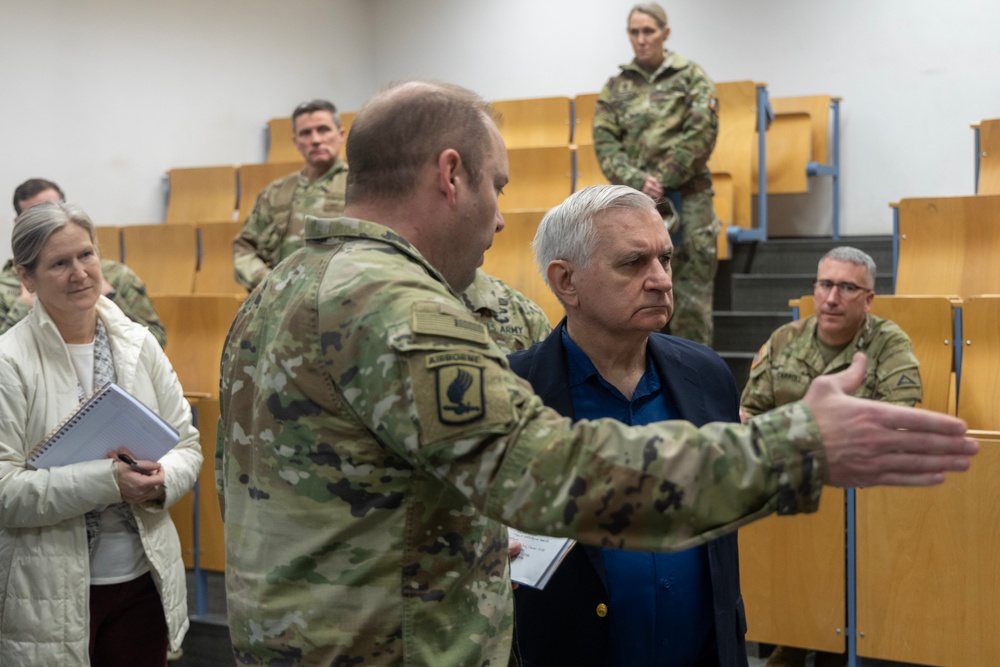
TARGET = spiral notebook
(109,419)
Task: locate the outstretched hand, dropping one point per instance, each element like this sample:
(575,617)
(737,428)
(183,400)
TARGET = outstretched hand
(869,443)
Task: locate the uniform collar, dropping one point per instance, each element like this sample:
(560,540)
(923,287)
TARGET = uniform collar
(325,231)
(671,61)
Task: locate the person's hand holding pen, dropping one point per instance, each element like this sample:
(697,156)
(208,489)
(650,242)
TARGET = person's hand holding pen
(138,481)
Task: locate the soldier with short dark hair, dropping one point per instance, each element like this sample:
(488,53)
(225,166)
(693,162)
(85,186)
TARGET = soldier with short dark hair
(655,126)
(373,442)
(273,230)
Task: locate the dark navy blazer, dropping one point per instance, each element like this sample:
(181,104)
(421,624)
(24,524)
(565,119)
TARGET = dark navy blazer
(560,625)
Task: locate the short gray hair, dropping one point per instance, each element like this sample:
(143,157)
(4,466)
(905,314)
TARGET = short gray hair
(567,231)
(34,227)
(854,256)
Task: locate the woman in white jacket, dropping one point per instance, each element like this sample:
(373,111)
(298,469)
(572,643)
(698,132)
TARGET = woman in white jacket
(90,562)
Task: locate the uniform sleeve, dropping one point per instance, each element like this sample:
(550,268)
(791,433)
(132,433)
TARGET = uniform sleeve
(897,372)
(252,260)
(608,144)
(758,394)
(134,301)
(689,154)
(455,410)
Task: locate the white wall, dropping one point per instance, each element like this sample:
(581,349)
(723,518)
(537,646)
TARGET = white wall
(104,96)
(913,74)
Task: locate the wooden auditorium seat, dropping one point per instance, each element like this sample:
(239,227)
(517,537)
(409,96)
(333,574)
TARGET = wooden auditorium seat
(948,245)
(534,123)
(786,590)
(588,170)
(722,204)
(793,578)
(989,158)
(927,558)
(788,145)
(196,326)
(109,241)
(927,567)
(280,147)
(540,178)
(214,274)
(201,193)
(164,256)
(511,259)
(212,549)
(583,119)
(734,148)
(255,177)
(979,388)
(346,119)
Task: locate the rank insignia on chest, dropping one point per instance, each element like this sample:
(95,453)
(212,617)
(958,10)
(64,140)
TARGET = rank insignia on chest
(459,393)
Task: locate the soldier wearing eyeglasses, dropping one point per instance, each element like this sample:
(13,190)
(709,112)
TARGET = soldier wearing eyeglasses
(801,351)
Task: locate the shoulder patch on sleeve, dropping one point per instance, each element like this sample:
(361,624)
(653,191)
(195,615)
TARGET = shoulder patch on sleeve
(713,103)
(905,381)
(759,357)
(434,319)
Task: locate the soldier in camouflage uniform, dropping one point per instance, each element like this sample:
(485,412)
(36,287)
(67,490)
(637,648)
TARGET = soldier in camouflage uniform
(273,230)
(654,129)
(373,441)
(514,321)
(121,284)
(799,352)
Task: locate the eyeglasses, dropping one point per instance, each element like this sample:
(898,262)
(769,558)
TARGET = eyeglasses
(847,289)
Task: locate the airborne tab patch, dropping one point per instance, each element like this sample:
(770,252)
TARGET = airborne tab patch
(905,380)
(459,392)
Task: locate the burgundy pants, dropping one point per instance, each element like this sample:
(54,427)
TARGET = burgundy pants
(127,626)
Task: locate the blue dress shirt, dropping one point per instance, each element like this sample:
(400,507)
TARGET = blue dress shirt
(660,604)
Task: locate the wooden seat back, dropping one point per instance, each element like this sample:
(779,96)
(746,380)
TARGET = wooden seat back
(510,258)
(214,273)
(201,193)
(196,326)
(109,241)
(734,147)
(583,119)
(989,157)
(164,256)
(979,389)
(536,122)
(540,178)
(947,246)
(255,177)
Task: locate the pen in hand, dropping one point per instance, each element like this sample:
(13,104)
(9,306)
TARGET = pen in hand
(130,462)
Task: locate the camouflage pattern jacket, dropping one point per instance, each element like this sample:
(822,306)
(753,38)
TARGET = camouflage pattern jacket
(373,442)
(662,123)
(514,321)
(273,230)
(129,295)
(791,359)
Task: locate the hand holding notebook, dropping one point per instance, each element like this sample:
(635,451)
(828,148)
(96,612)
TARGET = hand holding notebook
(111,418)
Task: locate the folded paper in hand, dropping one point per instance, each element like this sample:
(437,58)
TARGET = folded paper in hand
(109,419)
(540,556)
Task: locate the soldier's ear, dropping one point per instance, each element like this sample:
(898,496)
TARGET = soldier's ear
(560,275)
